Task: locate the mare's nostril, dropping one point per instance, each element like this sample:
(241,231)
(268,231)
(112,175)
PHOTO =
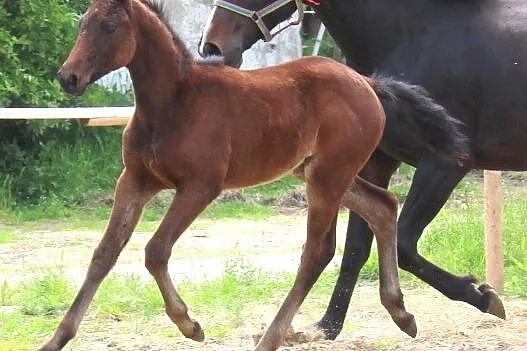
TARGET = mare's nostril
(210,49)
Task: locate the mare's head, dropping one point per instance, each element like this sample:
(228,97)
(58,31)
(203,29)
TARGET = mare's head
(106,42)
(235,25)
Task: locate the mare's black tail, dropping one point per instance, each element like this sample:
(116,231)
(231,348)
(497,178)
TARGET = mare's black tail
(416,123)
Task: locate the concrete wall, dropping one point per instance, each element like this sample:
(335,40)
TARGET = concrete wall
(188,18)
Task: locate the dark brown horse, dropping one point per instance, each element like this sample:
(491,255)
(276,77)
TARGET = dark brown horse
(202,128)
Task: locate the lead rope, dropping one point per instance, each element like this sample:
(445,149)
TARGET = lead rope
(312,2)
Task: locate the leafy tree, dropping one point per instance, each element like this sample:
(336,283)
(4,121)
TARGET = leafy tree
(38,35)
(79,6)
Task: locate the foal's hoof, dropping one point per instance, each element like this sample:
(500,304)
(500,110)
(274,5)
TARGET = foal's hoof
(407,324)
(197,334)
(47,348)
(494,304)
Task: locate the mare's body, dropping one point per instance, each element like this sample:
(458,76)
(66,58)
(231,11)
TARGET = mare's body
(471,55)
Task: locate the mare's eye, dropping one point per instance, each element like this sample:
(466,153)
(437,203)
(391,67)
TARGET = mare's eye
(108,27)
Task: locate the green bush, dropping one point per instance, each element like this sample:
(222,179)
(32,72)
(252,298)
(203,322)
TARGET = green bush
(35,38)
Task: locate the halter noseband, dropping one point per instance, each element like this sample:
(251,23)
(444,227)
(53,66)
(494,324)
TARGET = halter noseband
(257,16)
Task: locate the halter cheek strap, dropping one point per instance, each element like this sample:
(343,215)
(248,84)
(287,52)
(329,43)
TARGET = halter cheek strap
(257,16)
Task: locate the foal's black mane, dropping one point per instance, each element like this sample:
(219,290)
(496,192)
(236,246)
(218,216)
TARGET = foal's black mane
(159,8)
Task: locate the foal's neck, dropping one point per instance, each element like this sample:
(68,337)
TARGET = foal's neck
(160,65)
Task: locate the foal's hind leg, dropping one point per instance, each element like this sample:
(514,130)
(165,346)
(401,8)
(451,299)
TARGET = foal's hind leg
(131,195)
(379,208)
(188,203)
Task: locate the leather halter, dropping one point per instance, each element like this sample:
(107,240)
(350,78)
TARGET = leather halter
(257,16)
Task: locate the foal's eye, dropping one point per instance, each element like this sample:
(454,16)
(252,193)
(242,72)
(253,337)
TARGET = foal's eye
(108,27)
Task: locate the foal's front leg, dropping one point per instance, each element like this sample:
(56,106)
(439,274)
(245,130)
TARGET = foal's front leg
(131,194)
(188,203)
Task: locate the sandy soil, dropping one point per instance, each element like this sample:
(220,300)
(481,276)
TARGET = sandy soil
(273,245)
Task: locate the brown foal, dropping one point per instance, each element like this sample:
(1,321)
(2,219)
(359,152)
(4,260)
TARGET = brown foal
(201,128)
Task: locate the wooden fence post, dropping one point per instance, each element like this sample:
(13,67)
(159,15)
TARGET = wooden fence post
(494,229)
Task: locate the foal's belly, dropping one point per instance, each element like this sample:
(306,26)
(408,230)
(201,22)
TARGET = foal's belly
(259,171)
(253,164)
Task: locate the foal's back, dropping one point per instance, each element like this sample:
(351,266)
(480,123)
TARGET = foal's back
(273,118)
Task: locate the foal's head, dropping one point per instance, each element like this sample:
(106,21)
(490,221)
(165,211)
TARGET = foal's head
(106,42)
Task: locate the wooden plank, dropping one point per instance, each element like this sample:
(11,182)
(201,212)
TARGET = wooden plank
(105,122)
(494,229)
(66,113)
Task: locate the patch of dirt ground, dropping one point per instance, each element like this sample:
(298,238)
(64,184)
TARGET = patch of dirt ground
(272,245)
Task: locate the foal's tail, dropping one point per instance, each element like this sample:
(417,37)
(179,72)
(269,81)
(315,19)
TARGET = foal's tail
(415,122)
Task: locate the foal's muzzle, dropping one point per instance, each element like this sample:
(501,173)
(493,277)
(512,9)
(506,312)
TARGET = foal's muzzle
(70,82)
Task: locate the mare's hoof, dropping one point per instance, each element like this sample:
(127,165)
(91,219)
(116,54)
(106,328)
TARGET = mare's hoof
(407,324)
(292,338)
(304,336)
(198,334)
(494,305)
(328,329)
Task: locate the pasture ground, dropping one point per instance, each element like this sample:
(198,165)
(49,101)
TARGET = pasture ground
(210,250)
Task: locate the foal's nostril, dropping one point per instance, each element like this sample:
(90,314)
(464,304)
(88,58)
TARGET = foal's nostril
(210,49)
(72,80)
(68,81)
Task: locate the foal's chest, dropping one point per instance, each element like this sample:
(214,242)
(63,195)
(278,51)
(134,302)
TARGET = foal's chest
(159,154)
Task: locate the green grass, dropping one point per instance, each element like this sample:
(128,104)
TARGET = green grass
(38,305)
(19,332)
(121,295)
(276,188)
(49,294)
(240,210)
(222,304)
(8,235)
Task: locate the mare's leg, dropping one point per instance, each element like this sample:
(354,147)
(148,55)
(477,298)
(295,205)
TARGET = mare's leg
(188,203)
(132,192)
(324,191)
(431,186)
(379,208)
(378,170)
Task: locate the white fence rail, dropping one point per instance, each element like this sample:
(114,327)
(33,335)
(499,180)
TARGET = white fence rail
(89,116)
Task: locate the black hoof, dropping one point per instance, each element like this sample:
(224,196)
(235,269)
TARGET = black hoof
(330,329)
(492,301)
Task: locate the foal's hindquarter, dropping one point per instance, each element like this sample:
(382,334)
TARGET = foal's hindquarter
(213,128)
